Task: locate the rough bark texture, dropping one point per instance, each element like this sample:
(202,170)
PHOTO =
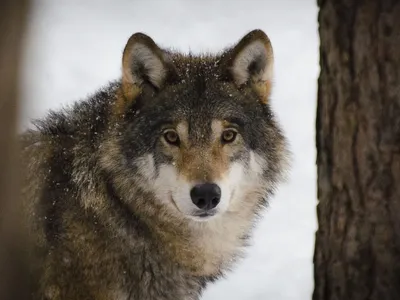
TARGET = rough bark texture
(357,254)
(12,24)
(13,16)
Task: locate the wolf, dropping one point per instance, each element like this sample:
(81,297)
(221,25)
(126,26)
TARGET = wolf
(150,188)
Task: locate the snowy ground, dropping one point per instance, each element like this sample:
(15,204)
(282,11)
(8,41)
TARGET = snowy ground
(75,47)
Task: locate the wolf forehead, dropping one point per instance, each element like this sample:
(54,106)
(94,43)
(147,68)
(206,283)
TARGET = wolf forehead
(197,101)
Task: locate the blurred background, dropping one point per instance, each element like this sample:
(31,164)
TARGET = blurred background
(74,47)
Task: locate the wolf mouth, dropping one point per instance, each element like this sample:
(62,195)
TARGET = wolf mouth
(201,214)
(205,214)
(173,202)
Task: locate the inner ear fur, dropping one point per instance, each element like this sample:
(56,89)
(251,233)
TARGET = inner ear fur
(143,63)
(251,62)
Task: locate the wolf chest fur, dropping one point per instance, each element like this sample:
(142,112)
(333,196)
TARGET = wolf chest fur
(150,188)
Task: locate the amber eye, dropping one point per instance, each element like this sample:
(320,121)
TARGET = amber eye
(228,136)
(171,137)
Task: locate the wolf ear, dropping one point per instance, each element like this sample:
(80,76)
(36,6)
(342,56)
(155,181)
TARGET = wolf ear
(251,62)
(143,62)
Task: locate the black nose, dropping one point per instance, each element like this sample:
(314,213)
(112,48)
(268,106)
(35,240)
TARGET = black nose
(206,196)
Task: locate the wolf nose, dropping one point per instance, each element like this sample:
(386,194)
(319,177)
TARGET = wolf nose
(206,196)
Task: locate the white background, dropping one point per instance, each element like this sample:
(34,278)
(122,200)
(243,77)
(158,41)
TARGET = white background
(75,47)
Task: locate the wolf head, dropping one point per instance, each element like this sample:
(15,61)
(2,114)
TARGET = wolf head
(197,131)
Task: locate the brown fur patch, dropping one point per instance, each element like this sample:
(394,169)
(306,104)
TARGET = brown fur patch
(125,97)
(263,89)
(207,163)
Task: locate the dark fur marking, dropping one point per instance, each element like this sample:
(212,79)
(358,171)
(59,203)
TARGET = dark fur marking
(257,65)
(59,185)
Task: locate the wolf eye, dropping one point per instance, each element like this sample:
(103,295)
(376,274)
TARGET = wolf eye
(171,137)
(228,136)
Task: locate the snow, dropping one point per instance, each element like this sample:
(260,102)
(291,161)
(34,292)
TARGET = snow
(75,46)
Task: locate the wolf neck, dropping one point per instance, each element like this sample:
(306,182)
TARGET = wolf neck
(205,249)
(221,241)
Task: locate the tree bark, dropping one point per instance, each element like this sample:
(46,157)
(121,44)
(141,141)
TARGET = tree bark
(12,25)
(13,17)
(357,251)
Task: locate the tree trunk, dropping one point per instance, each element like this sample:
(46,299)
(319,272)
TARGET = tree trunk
(13,17)
(357,251)
(12,23)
